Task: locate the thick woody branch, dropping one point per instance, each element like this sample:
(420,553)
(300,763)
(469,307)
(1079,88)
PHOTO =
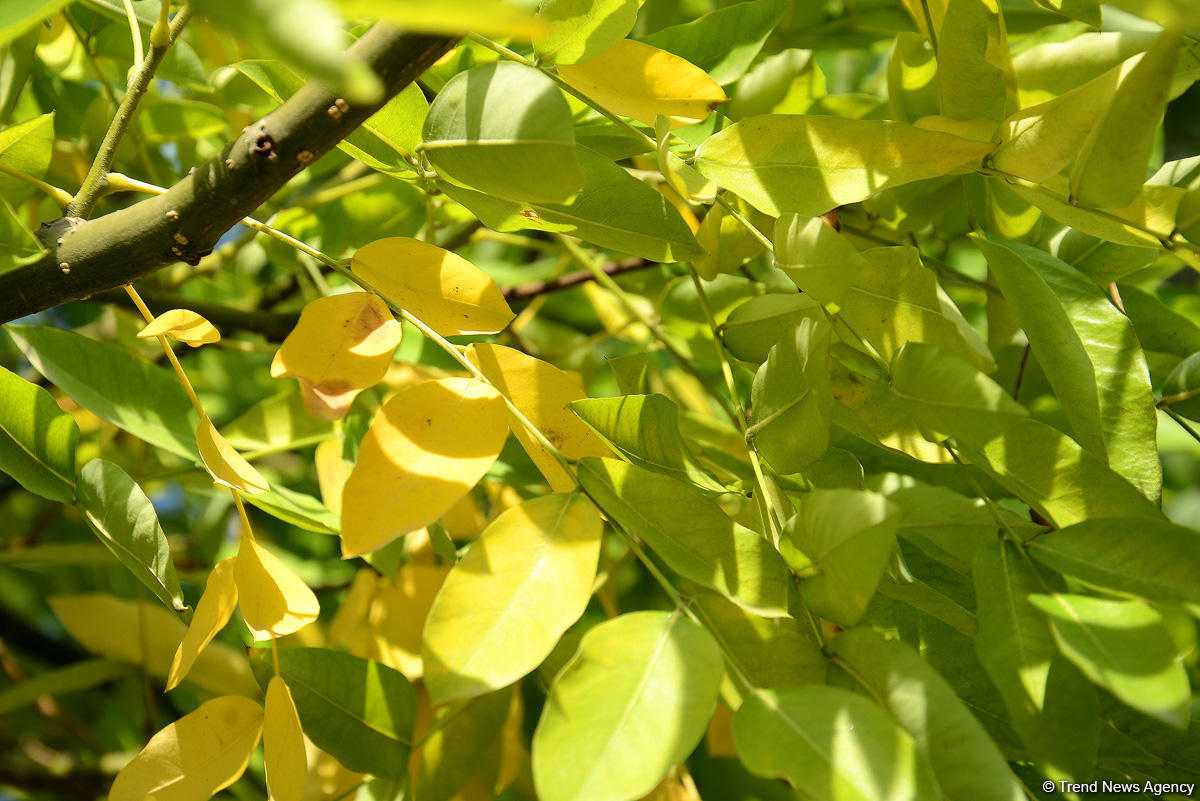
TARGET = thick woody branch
(185,223)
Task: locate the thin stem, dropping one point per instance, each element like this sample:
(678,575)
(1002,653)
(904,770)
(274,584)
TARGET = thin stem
(766,505)
(929,25)
(732,211)
(166,346)
(606,281)
(241,507)
(94,184)
(1183,423)
(135,30)
(1178,397)
(60,196)
(1021,372)
(991,505)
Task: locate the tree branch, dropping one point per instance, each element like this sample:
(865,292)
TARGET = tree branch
(534,288)
(86,257)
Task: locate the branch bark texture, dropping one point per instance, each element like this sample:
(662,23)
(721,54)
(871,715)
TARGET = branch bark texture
(86,257)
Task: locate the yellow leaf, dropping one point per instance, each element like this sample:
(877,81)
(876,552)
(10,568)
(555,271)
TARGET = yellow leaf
(719,739)
(327,778)
(541,391)
(212,613)
(425,449)
(677,786)
(527,579)
(146,634)
(284,759)
(640,81)
(351,625)
(182,326)
(398,617)
(225,464)
(440,288)
(342,345)
(332,472)
(273,599)
(195,757)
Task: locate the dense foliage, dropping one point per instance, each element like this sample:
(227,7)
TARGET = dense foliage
(664,399)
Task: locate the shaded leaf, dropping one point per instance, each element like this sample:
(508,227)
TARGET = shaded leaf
(37,439)
(725,41)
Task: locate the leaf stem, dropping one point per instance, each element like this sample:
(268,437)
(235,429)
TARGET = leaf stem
(991,505)
(94,183)
(170,353)
(60,196)
(135,31)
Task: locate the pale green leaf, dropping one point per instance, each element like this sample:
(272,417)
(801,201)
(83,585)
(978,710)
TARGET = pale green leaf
(18,16)
(816,257)
(753,328)
(526,580)
(832,745)
(504,129)
(37,439)
(724,41)
(971,41)
(965,760)
(577,30)
(1123,647)
(691,533)
(632,702)
(26,147)
(1090,354)
(810,164)
(770,653)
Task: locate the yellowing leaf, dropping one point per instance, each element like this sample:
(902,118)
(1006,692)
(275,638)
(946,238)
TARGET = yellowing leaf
(195,757)
(351,624)
(342,345)
(640,81)
(283,745)
(146,634)
(527,579)
(442,289)
(332,472)
(542,392)
(212,613)
(183,326)
(398,616)
(273,599)
(225,464)
(426,448)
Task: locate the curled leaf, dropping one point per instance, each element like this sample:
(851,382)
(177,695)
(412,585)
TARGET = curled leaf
(212,613)
(225,464)
(182,326)
(342,345)
(274,601)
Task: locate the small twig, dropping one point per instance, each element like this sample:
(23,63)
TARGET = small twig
(60,196)
(94,184)
(1021,373)
(535,288)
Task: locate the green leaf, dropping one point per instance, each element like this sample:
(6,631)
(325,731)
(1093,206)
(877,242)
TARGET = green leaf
(305,34)
(965,761)
(1051,198)
(1159,327)
(297,508)
(37,439)
(117,509)
(630,371)
(576,30)
(1123,647)
(817,258)
(18,16)
(461,737)
(18,246)
(612,210)
(505,130)
(809,165)
(1181,390)
(26,147)
(645,430)
(488,17)
(382,142)
(972,53)
(358,711)
(725,41)
(1087,11)
(1155,559)
(1103,262)
(83,675)
(950,527)
(1111,165)
(278,423)
(171,121)
(526,580)
(1037,142)
(897,300)
(949,398)
(691,534)
(1090,355)
(847,537)
(1049,471)
(632,702)
(791,402)
(832,745)
(912,78)
(130,393)
(753,328)
(770,653)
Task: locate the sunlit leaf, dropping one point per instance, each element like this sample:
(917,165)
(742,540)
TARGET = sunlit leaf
(182,326)
(273,600)
(426,448)
(37,439)
(440,288)
(225,464)
(283,744)
(577,30)
(342,345)
(213,611)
